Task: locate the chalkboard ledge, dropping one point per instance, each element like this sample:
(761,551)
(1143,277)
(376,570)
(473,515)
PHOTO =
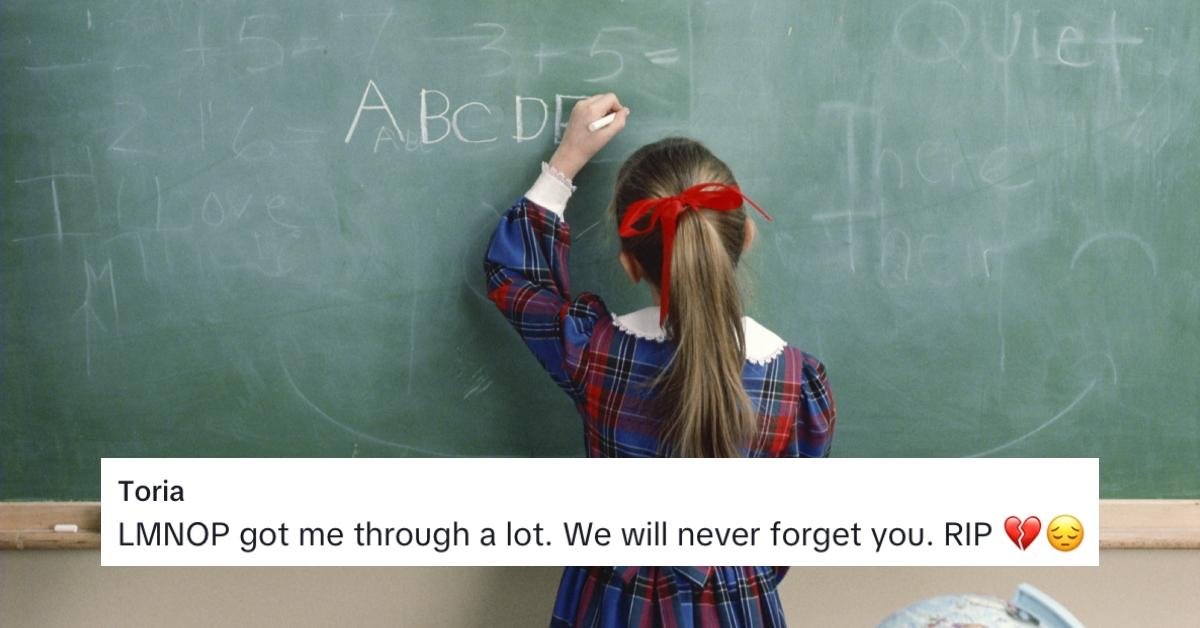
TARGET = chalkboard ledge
(1149,524)
(30,525)
(1124,524)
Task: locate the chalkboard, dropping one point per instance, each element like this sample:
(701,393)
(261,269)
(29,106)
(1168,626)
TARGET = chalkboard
(256,228)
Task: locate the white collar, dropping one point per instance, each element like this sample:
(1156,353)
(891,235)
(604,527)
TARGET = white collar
(762,345)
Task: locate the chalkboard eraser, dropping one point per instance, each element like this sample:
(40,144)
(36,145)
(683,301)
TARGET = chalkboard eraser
(66,527)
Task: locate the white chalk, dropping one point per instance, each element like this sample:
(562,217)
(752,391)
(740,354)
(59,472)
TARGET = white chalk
(66,527)
(602,122)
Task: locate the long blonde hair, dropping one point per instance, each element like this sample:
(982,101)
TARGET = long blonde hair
(701,396)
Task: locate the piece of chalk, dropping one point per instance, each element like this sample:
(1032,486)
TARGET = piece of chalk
(66,527)
(602,122)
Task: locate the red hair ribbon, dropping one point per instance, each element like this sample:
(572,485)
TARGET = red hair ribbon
(715,196)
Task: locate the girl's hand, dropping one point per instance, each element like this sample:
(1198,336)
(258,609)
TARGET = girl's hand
(578,143)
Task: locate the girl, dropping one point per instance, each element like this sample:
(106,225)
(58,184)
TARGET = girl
(688,377)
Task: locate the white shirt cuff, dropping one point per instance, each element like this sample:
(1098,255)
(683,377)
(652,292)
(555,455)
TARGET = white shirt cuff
(551,190)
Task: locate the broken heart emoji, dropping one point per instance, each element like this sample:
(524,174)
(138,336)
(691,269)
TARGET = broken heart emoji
(1024,532)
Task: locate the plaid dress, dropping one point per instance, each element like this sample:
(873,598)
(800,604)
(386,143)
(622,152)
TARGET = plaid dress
(609,372)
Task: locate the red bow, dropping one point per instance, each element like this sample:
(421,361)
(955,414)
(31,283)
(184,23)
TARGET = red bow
(714,196)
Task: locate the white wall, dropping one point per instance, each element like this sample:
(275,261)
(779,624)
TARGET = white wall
(69,588)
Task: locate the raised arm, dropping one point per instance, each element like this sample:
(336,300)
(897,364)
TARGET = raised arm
(526,261)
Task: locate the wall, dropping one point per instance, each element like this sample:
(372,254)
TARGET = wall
(69,588)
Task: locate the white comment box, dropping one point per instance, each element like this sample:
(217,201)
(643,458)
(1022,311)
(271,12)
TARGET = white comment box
(431,511)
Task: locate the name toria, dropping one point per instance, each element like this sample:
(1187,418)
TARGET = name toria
(165,492)
(170,533)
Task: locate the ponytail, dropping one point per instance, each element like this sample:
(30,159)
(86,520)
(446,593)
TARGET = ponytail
(708,412)
(700,396)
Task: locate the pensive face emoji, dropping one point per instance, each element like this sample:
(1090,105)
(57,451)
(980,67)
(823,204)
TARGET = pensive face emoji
(1065,533)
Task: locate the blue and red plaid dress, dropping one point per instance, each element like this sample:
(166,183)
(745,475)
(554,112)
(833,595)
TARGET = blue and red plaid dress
(609,374)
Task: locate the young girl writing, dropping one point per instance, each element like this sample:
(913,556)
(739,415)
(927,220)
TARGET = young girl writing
(690,376)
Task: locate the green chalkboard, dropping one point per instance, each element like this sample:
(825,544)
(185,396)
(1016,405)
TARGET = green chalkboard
(256,228)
